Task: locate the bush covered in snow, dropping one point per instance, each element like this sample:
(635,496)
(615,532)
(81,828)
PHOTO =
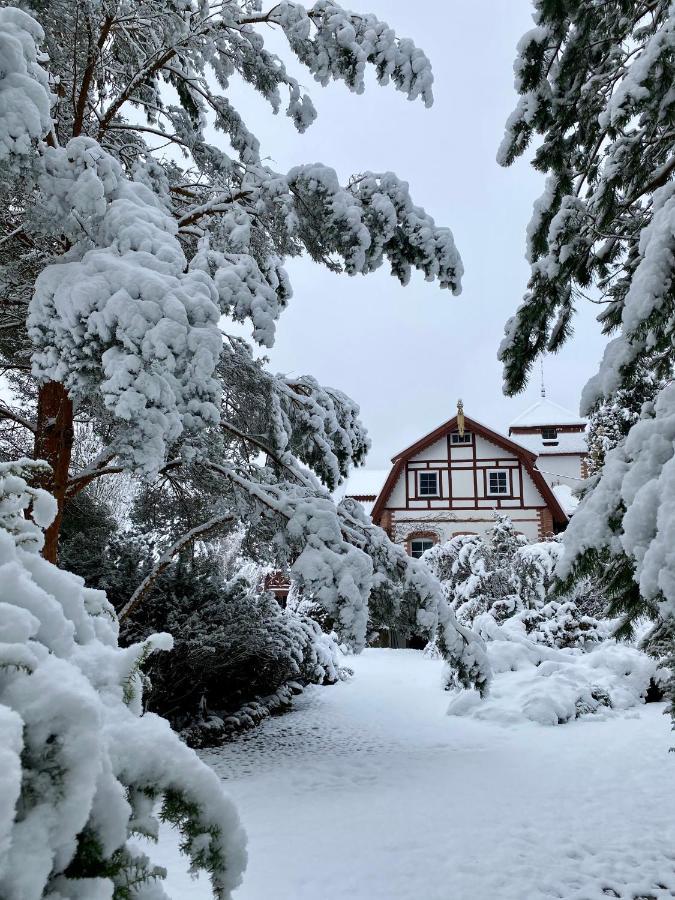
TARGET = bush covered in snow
(502,576)
(553,685)
(549,649)
(82,769)
(237,653)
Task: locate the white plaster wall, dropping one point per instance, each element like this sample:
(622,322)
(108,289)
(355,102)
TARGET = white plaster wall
(531,496)
(462,483)
(485,449)
(398,494)
(439,450)
(560,469)
(461,452)
(476,522)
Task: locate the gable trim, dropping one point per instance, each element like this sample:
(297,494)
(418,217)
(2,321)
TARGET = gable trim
(526,457)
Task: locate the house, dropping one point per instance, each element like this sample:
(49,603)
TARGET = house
(453,479)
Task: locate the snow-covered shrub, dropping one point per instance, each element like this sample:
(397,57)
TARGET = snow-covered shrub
(553,685)
(501,575)
(234,645)
(82,769)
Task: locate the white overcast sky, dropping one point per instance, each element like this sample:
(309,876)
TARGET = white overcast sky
(406,354)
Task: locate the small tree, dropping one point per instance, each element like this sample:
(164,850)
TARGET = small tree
(476,571)
(498,576)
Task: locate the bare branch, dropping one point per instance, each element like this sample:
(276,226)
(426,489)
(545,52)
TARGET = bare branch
(6,413)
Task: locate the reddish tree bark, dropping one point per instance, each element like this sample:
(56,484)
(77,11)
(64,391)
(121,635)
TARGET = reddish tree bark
(54,444)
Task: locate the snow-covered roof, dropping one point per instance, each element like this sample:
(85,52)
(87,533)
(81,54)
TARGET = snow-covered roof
(362,483)
(571,442)
(565,497)
(546,412)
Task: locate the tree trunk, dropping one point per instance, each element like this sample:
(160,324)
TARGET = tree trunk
(54,444)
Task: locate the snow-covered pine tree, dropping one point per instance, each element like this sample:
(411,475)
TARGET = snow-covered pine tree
(118,262)
(477,570)
(498,576)
(614,417)
(82,770)
(595,81)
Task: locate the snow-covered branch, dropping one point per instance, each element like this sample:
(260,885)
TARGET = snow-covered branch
(165,560)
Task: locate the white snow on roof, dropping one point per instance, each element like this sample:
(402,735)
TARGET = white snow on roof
(546,412)
(574,442)
(565,497)
(362,482)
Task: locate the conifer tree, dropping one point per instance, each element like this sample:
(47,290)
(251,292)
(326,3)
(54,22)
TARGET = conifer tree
(83,770)
(118,260)
(595,83)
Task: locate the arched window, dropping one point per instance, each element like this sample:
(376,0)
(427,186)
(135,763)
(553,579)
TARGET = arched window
(420,542)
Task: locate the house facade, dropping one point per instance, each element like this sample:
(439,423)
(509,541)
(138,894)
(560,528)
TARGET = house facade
(452,480)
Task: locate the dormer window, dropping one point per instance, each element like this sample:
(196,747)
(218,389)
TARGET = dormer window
(428,484)
(457,438)
(549,434)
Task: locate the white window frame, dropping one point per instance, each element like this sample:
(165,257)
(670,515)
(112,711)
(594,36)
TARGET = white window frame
(455,439)
(426,540)
(507,483)
(420,492)
(553,433)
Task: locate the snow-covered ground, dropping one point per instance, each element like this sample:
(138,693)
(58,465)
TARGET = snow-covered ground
(368,791)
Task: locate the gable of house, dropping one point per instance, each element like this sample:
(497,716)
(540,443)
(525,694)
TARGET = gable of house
(481,471)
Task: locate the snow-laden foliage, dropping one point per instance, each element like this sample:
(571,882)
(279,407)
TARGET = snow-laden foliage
(552,685)
(119,316)
(551,657)
(596,84)
(613,418)
(237,654)
(25,98)
(124,260)
(630,511)
(83,769)
(500,577)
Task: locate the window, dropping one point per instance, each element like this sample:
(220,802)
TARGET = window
(418,546)
(498,481)
(457,438)
(428,484)
(549,434)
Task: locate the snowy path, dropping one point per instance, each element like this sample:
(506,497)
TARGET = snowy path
(368,791)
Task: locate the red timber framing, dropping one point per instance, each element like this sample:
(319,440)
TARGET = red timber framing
(522,461)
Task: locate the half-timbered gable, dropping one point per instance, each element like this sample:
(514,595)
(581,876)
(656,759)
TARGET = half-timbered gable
(452,481)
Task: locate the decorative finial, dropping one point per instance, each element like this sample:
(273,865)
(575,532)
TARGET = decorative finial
(543,386)
(460,418)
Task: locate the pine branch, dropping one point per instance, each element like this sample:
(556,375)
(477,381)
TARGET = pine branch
(199,531)
(88,76)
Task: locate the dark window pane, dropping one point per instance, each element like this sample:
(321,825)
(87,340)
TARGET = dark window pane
(428,484)
(418,546)
(498,483)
